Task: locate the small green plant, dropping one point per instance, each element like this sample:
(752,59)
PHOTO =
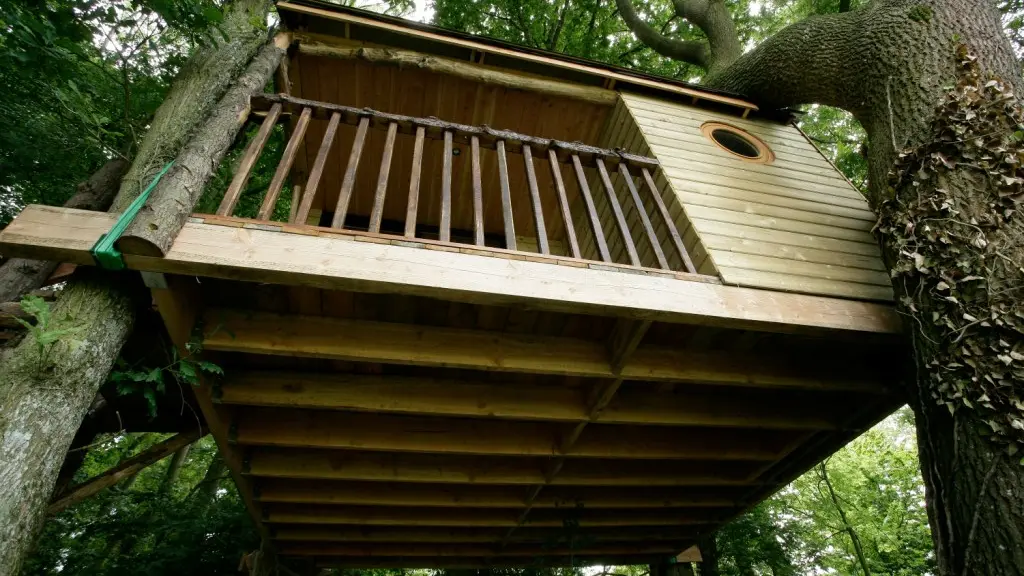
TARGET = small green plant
(41,330)
(183,369)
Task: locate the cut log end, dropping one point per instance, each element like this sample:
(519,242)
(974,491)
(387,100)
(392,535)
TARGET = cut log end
(141,246)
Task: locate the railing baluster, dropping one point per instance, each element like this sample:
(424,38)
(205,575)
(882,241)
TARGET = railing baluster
(285,165)
(348,183)
(252,153)
(296,198)
(313,182)
(644,219)
(478,192)
(506,196)
(414,183)
(445,234)
(538,210)
(669,224)
(382,178)
(588,200)
(620,219)
(563,203)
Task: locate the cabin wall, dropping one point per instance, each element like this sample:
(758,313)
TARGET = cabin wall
(795,224)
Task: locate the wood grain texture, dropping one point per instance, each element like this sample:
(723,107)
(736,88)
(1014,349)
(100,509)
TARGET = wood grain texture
(382,179)
(414,184)
(248,161)
(285,165)
(794,225)
(506,197)
(538,208)
(478,192)
(313,183)
(348,183)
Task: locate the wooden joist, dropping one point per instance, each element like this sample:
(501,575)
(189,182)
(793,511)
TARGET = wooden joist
(335,533)
(484,517)
(485,563)
(323,429)
(693,406)
(269,462)
(258,253)
(365,341)
(484,496)
(472,550)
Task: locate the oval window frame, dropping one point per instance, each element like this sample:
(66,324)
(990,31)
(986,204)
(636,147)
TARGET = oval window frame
(765,154)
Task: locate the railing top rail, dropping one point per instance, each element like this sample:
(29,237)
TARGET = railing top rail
(462,133)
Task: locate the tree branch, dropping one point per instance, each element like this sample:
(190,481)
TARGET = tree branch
(691,51)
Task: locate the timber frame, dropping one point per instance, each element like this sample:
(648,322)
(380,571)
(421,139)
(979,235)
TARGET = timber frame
(443,362)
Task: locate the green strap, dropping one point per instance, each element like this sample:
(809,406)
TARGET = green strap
(106,255)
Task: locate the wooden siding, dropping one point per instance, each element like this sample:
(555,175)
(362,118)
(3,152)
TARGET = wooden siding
(795,224)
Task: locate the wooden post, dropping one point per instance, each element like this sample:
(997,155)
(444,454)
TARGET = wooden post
(285,165)
(313,182)
(382,178)
(538,210)
(445,233)
(563,204)
(348,183)
(644,220)
(478,192)
(414,183)
(506,196)
(588,200)
(620,219)
(670,225)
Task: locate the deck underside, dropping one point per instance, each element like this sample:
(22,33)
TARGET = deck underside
(391,405)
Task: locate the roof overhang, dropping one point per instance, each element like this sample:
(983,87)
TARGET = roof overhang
(361,25)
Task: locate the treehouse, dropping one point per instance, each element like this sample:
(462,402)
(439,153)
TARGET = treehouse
(520,310)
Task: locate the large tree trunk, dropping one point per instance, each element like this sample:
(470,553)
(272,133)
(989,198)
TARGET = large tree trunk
(19,276)
(951,232)
(45,393)
(946,181)
(43,401)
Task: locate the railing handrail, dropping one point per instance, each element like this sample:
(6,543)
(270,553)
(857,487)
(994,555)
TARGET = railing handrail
(461,133)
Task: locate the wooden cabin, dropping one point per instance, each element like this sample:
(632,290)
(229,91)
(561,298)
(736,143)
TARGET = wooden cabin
(524,309)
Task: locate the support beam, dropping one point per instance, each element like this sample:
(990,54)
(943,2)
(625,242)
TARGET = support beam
(328,533)
(485,496)
(268,462)
(685,406)
(260,252)
(125,469)
(376,550)
(323,429)
(472,72)
(390,343)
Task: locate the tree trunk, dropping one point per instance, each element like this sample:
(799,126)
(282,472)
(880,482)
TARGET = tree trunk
(708,555)
(19,276)
(196,91)
(858,549)
(950,231)
(43,401)
(173,469)
(207,487)
(45,393)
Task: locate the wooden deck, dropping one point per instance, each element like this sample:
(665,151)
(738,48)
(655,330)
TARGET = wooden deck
(395,403)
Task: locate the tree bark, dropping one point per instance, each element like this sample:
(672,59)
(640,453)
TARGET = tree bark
(44,396)
(43,401)
(19,276)
(890,64)
(196,91)
(171,202)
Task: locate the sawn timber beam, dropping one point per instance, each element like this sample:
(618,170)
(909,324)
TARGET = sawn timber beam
(310,256)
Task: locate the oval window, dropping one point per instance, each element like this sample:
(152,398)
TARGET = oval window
(737,142)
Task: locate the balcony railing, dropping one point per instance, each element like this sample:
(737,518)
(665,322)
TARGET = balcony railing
(639,196)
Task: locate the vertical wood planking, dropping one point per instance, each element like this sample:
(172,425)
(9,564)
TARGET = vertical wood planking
(445,233)
(414,183)
(348,183)
(382,178)
(285,165)
(252,153)
(506,196)
(620,219)
(669,223)
(645,221)
(313,182)
(538,210)
(595,221)
(478,192)
(563,203)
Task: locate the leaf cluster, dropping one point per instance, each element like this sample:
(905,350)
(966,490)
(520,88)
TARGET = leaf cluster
(953,219)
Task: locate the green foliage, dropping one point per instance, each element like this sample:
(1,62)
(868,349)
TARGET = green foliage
(196,528)
(42,330)
(952,220)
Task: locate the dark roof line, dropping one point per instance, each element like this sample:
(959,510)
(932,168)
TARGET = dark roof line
(329,6)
